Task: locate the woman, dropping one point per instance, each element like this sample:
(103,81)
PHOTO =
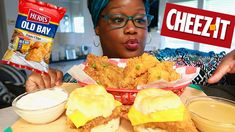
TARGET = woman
(122,28)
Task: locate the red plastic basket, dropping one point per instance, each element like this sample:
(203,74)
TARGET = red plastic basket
(127,96)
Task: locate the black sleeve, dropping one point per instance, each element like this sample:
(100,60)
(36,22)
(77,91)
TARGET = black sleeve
(6,97)
(11,74)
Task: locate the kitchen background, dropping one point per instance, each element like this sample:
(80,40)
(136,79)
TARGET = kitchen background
(75,35)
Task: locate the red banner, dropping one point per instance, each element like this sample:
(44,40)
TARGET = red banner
(198,25)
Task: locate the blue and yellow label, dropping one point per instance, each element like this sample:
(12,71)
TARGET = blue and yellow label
(22,44)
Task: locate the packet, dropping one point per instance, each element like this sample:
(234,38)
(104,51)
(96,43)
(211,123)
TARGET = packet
(31,42)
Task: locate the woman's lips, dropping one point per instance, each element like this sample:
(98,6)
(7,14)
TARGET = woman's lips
(132,44)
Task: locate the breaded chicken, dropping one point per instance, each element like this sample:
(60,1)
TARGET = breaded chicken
(104,72)
(35,55)
(139,65)
(132,83)
(118,112)
(138,71)
(39,52)
(164,71)
(186,125)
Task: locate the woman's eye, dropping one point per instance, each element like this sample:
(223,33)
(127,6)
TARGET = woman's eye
(117,20)
(140,21)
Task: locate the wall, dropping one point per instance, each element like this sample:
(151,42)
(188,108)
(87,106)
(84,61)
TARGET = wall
(78,39)
(11,10)
(3,30)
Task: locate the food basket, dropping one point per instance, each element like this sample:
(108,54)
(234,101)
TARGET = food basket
(127,96)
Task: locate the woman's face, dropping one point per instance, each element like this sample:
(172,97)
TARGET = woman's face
(125,42)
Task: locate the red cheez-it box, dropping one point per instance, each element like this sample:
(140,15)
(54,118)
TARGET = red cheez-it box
(198,25)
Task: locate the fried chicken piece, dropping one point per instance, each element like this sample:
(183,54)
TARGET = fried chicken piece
(139,65)
(35,55)
(136,71)
(118,112)
(127,83)
(38,52)
(142,79)
(36,45)
(104,72)
(132,83)
(91,59)
(186,125)
(163,70)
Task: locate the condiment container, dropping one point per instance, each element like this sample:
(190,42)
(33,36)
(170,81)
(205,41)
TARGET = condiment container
(41,106)
(212,114)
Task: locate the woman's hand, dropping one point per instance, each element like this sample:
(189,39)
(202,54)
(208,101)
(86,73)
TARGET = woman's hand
(42,81)
(227,65)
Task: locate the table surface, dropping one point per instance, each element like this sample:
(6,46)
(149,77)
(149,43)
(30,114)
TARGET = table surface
(8,117)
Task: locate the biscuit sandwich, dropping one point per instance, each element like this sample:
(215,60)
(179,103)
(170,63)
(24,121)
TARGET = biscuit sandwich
(157,110)
(91,108)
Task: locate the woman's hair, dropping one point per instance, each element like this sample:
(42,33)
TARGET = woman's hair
(95,7)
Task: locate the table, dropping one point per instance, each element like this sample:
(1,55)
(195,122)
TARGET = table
(9,118)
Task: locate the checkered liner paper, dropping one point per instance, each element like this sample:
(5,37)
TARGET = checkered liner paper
(188,73)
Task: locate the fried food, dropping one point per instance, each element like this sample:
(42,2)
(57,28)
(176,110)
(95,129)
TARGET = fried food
(39,52)
(133,82)
(156,109)
(35,55)
(186,125)
(139,65)
(163,71)
(104,72)
(91,108)
(99,121)
(138,71)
